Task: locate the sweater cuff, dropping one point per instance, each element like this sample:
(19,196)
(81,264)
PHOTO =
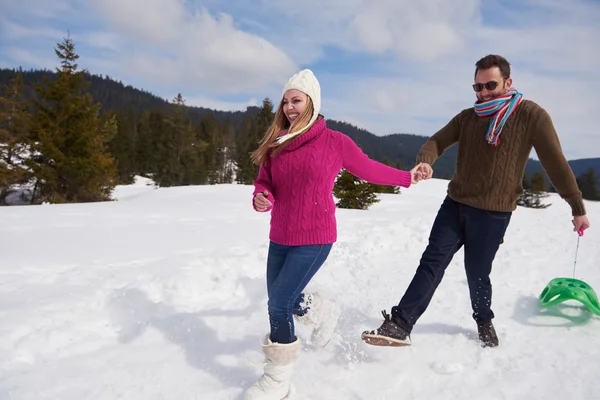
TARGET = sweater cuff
(577,207)
(269,197)
(424,158)
(405,179)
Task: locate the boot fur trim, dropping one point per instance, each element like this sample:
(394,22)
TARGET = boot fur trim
(281,353)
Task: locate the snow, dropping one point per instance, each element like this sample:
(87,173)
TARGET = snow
(18,196)
(160,295)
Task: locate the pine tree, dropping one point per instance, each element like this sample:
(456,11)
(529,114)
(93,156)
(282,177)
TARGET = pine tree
(353,193)
(588,184)
(245,171)
(169,171)
(192,151)
(71,162)
(14,136)
(538,183)
(179,150)
(227,154)
(534,191)
(526,182)
(213,159)
(147,144)
(387,188)
(122,146)
(249,139)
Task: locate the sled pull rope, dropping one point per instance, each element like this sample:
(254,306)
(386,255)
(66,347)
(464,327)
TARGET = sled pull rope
(580,234)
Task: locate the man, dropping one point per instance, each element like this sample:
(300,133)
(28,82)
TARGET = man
(495,139)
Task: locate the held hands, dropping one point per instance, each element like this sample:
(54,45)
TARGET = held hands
(261,202)
(421,172)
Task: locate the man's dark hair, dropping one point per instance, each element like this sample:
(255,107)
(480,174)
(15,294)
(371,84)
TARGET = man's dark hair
(491,61)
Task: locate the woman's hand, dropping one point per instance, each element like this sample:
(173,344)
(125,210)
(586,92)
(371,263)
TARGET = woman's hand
(261,203)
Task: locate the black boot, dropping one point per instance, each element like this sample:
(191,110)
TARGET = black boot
(487,334)
(388,334)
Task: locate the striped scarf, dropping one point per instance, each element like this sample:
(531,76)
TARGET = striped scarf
(501,108)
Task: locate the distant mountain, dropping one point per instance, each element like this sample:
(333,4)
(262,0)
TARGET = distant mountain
(397,148)
(405,147)
(579,166)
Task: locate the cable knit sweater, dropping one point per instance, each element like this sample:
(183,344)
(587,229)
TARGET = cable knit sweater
(491,178)
(300,182)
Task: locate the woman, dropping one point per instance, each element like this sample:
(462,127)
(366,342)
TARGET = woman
(299,160)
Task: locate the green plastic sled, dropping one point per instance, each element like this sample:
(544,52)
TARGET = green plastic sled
(563,289)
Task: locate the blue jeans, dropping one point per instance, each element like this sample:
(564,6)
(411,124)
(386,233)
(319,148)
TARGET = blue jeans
(289,269)
(481,232)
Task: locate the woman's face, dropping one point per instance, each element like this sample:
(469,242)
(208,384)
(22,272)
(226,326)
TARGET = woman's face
(294,104)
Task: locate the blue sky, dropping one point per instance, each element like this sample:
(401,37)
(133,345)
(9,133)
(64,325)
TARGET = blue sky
(388,66)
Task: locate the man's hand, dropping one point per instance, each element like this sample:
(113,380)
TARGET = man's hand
(425,170)
(580,223)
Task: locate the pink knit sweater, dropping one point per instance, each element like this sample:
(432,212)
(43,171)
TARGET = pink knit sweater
(300,184)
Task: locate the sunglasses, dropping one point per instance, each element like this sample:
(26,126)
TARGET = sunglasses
(491,85)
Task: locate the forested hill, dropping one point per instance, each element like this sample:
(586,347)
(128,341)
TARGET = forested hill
(398,149)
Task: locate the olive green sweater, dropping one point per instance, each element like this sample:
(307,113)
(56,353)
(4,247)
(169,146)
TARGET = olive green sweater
(491,178)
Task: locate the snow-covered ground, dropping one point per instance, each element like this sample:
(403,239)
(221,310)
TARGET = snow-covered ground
(160,295)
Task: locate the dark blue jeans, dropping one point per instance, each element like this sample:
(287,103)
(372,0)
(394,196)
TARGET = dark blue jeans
(289,269)
(481,232)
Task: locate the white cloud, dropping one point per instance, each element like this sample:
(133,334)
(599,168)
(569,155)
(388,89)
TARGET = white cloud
(372,32)
(419,56)
(554,64)
(413,30)
(17,31)
(420,31)
(422,106)
(102,40)
(562,47)
(27,57)
(386,102)
(157,21)
(194,48)
(37,8)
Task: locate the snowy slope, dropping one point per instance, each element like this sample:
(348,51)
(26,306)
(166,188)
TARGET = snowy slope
(160,295)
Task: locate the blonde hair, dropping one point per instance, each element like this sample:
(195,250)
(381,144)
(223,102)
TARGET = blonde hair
(280,121)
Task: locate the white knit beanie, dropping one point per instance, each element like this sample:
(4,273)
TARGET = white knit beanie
(306,82)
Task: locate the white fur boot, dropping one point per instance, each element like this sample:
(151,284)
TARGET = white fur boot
(274,384)
(323,314)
